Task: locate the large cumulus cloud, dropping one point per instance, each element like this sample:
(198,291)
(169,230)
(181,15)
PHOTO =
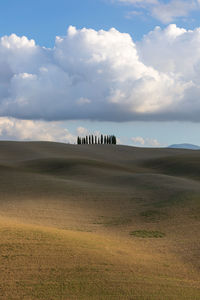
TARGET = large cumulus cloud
(102,75)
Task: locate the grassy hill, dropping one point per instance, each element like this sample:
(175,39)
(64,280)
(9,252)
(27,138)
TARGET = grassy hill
(98,222)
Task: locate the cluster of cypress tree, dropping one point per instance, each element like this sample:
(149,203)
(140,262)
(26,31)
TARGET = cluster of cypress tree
(93,139)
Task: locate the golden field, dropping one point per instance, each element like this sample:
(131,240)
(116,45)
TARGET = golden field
(98,222)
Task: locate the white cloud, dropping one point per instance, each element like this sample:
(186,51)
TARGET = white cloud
(102,75)
(81,131)
(133,13)
(165,12)
(168,12)
(138,140)
(83,101)
(13,129)
(145,142)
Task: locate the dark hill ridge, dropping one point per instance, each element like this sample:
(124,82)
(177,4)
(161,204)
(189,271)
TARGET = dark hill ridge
(103,165)
(184,165)
(134,211)
(15,151)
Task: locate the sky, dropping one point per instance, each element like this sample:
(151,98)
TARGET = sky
(124,67)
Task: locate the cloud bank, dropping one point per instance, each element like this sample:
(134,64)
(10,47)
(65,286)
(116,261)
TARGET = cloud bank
(145,142)
(29,130)
(102,75)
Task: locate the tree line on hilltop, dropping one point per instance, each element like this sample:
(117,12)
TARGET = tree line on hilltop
(93,139)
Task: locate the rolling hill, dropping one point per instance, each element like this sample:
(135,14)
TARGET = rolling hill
(98,222)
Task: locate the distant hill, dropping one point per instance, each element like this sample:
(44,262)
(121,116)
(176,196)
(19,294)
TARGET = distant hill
(185,146)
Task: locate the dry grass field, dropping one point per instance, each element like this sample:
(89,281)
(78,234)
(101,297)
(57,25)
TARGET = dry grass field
(98,222)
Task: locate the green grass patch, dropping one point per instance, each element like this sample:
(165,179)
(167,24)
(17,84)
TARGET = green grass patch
(147,234)
(115,221)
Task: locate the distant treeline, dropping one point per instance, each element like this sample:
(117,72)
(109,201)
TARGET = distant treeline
(93,139)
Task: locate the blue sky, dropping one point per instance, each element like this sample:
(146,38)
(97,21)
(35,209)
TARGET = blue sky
(169,119)
(42,20)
